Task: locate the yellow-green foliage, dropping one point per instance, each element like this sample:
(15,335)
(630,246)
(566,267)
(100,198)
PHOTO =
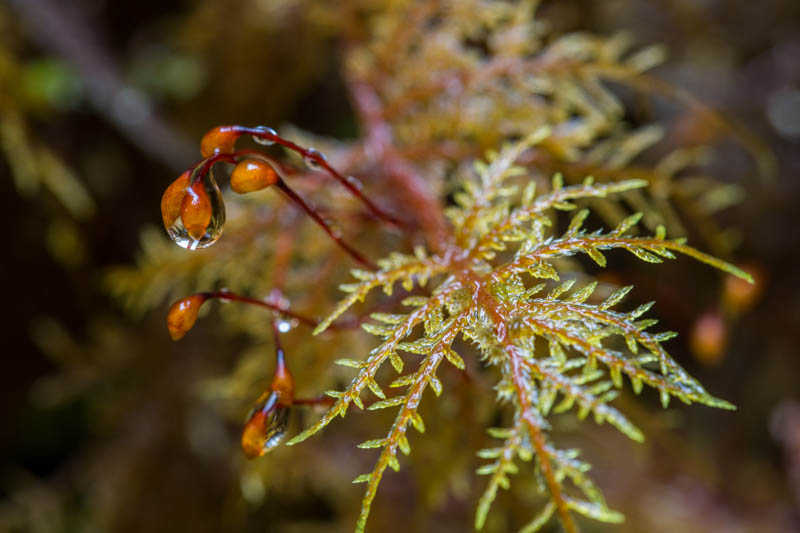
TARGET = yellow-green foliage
(436,86)
(488,301)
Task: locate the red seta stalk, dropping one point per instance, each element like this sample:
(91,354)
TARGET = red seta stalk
(235,157)
(182,315)
(229,296)
(332,233)
(222,139)
(320,160)
(233,297)
(282,381)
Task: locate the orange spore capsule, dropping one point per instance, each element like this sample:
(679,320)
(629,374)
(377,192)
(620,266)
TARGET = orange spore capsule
(196,210)
(252,175)
(253,435)
(738,295)
(218,140)
(709,338)
(283,385)
(173,198)
(183,314)
(265,427)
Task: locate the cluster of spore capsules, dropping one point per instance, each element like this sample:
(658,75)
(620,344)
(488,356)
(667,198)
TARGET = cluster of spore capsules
(192,207)
(193,212)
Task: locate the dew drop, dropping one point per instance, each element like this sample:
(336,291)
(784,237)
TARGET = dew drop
(284,326)
(311,159)
(277,299)
(335,230)
(355,182)
(224,293)
(262,141)
(178,232)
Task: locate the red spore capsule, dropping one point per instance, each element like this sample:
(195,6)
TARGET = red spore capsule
(193,210)
(709,338)
(173,198)
(266,426)
(183,314)
(252,175)
(218,140)
(738,295)
(196,210)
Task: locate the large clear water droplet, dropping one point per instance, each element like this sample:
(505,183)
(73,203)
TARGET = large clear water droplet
(178,232)
(311,159)
(262,141)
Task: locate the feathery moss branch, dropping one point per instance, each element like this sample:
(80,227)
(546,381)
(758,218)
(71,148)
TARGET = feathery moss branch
(488,303)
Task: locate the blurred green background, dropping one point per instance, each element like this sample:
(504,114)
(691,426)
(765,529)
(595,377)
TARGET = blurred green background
(103,103)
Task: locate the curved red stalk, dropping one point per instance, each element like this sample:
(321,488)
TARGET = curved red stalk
(306,321)
(234,157)
(322,162)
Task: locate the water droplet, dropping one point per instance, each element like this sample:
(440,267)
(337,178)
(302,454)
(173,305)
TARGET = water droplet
(262,141)
(284,326)
(224,293)
(311,159)
(265,427)
(216,207)
(355,182)
(336,231)
(277,299)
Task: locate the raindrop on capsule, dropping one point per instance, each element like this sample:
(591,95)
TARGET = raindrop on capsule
(223,295)
(262,141)
(284,326)
(310,159)
(355,182)
(200,209)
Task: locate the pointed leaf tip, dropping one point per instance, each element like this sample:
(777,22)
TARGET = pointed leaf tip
(719,403)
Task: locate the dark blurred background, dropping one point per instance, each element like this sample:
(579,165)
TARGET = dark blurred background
(102,103)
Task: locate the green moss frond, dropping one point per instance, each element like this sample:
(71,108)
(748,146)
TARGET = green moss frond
(553,351)
(409,270)
(435,87)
